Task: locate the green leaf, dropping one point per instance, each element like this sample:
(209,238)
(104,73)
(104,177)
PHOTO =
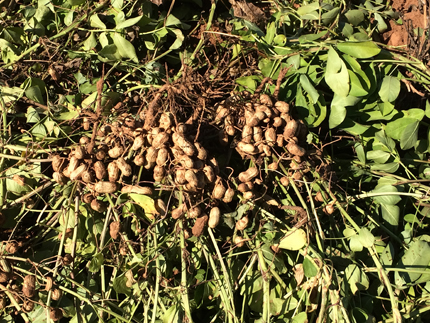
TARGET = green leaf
(96,22)
(337,115)
(388,168)
(125,48)
(90,42)
(309,268)
(395,129)
(427,111)
(409,136)
(270,32)
(386,108)
(146,203)
(13,186)
(382,26)
(75,2)
(96,263)
(356,278)
(391,214)
(329,16)
(366,238)
(110,52)
(386,199)
(128,23)
(390,89)
(355,244)
(294,240)
(365,49)
(13,35)
(387,255)
(417,257)
(172,315)
(32,115)
(249,82)
(336,74)
(68,19)
(179,38)
(378,156)
(356,87)
(414,113)
(301,317)
(309,88)
(309,11)
(355,17)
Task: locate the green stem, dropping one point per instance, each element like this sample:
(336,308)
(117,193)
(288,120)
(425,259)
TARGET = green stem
(157,279)
(224,269)
(184,289)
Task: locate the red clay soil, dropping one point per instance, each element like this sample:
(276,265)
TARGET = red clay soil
(410,11)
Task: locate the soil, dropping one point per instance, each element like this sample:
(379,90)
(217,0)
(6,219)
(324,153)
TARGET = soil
(413,15)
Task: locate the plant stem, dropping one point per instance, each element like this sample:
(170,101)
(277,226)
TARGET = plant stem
(157,279)
(184,289)
(224,269)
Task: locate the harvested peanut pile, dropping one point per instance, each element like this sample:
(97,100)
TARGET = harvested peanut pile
(168,157)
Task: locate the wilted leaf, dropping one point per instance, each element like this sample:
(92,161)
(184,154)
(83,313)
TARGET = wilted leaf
(146,203)
(120,285)
(293,240)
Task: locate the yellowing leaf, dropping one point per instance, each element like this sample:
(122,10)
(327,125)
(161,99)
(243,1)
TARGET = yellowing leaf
(294,240)
(146,203)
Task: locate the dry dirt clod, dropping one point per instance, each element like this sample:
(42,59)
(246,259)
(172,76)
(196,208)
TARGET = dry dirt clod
(4,277)
(199,225)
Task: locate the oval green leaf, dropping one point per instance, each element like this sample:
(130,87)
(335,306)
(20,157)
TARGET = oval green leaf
(364,49)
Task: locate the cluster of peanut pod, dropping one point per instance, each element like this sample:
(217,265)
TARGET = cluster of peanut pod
(170,153)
